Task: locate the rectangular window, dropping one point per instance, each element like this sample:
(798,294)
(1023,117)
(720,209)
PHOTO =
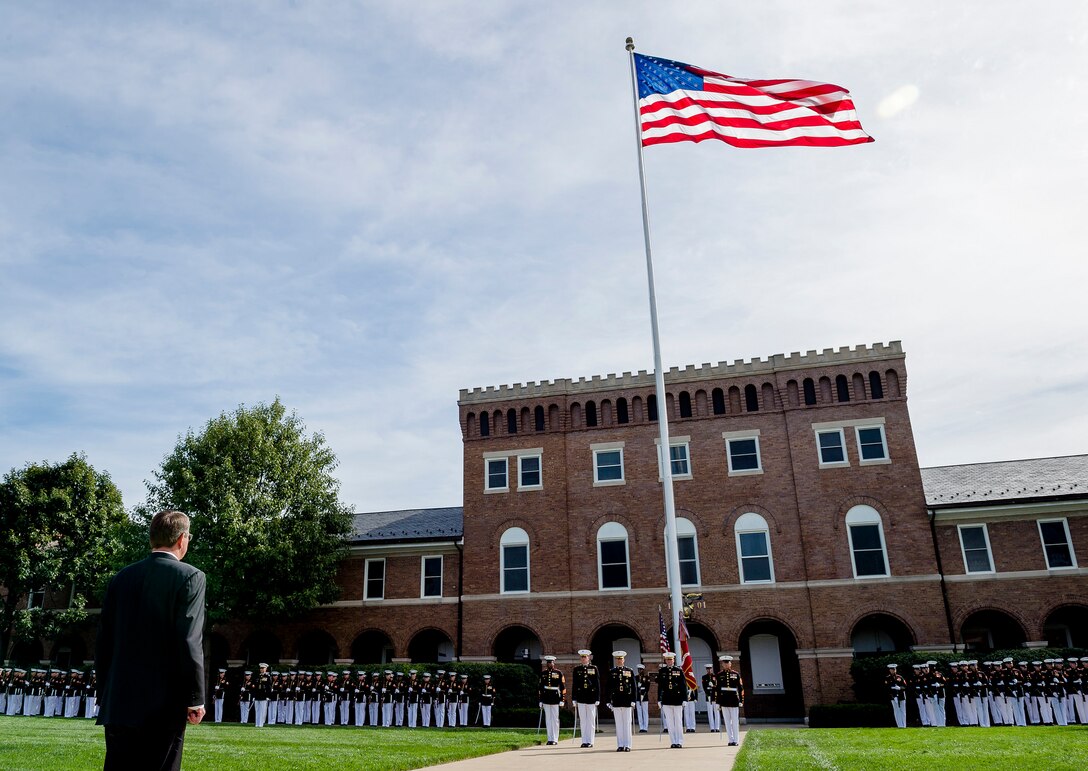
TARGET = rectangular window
(529,472)
(515,568)
(975,542)
(614,564)
(375,580)
(744,455)
(1056,544)
(872,448)
(35,598)
(689,561)
(679,464)
(867,545)
(755,558)
(496,475)
(608,466)
(431,577)
(832,448)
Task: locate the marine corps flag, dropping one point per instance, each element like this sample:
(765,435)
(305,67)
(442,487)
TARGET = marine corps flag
(685,654)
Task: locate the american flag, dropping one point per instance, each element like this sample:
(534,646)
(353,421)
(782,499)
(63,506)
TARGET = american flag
(682,103)
(663,637)
(689,671)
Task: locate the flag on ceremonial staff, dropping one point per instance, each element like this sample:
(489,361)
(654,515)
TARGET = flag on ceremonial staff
(689,671)
(663,637)
(679,102)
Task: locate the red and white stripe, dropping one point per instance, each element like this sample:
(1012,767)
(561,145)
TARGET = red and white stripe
(753,113)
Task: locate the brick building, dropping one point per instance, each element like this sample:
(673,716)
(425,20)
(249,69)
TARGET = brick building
(804,522)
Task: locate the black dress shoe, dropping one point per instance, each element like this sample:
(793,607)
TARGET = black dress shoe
(626,749)
(619,749)
(584,745)
(642,731)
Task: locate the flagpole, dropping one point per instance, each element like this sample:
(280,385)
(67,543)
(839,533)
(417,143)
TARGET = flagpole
(664,452)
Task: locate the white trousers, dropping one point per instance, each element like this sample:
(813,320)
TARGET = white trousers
(485,710)
(587,720)
(315,712)
(71,706)
(425,714)
(261,712)
(1018,710)
(398,713)
(731,718)
(373,713)
(1081,701)
(1058,708)
(982,712)
(623,726)
(462,708)
(302,708)
(923,713)
(936,711)
(387,715)
(451,714)
(1046,714)
(90,707)
(329,708)
(899,710)
(714,716)
(413,714)
(673,717)
(218,709)
(551,721)
(273,711)
(345,711)
(244,707)
(439,715)
(642,710)
(689,715)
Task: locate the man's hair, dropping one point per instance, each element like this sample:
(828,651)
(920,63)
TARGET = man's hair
(167,527)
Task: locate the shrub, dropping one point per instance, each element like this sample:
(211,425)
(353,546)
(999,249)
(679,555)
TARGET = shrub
(851,716)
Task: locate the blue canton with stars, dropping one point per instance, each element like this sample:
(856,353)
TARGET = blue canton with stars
(663,76)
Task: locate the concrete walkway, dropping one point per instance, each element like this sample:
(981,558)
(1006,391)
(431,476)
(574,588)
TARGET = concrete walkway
(701,750)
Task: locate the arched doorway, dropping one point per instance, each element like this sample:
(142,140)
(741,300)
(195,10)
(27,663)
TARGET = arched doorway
(27,653)
(878,634)
(771,672)
(430,645)
(1067,627)
(317,647)
(988,630)
(372,647)
(517,645)
(611,638)
(69,652)
(261,646)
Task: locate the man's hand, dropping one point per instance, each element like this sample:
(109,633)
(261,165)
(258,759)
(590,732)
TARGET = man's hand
(196,714)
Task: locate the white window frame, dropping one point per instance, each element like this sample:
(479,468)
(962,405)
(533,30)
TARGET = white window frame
(751,522)
(685,528)
(842,443)
(496,458)
(539,470)
(35,599)
(989,551)
(674,441)
(508,540)
(423,575)
(608,447)
(611,536)
(862,517)
(366,579)
(1068,543)
(730,437)
(883,443)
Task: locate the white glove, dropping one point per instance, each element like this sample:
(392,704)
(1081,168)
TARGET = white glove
(596,704)
(540,704)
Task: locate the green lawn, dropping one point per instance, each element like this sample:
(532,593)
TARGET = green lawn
(1039,748)
(66,745)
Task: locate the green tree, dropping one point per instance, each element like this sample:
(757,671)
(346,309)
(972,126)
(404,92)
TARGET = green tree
(59,531)
(267,523)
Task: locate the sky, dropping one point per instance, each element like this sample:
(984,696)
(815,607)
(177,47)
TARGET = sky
(363,207)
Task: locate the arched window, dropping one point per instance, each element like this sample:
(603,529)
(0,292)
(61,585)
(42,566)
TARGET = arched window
(538,418)
(688,548)
(651,406)
(891,377)
(685,404)
(470,424)
(751,398)
(511,421)
(754,549)
(591,414)
(865,531)
(791,393)
(485,424)
(858,382)
(842,388)
(621,410)
(718,398)
(612,567)
(876,390)
(514,561)
(809,388)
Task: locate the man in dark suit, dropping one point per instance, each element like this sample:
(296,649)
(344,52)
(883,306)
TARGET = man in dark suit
(149,652)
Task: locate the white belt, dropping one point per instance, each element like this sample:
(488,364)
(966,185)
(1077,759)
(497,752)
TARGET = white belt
(551,688)
(731,689)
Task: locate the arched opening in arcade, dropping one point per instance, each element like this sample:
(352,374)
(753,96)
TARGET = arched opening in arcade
(261,646)
(609,638)
(703,646)
(1067,627)
(771,673)
(316,648)
(430,645)
(879,634)
(69,652)
(989,630)
(517,645)
(372,647)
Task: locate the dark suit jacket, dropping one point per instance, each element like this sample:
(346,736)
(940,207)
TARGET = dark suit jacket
(149,653)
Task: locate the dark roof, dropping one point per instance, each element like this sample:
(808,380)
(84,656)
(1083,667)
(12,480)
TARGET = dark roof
(1036,479)
(409,525)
